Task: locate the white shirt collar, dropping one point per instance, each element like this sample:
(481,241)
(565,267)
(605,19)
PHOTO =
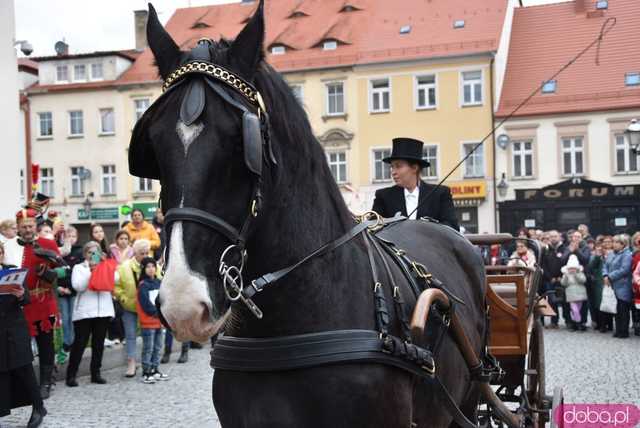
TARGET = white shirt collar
(416,192)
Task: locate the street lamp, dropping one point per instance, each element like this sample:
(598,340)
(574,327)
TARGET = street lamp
(633,135)
(87,205)
(502,186)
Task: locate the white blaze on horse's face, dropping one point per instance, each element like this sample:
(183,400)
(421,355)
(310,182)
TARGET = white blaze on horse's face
(184,295)
(188,133)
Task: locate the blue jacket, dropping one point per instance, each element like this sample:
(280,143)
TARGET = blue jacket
(618,268)
(146,304)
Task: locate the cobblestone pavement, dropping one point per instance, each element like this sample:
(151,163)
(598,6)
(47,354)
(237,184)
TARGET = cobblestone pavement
(590,366)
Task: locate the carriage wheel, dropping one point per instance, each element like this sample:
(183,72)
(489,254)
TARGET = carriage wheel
(558,402)
(535,374)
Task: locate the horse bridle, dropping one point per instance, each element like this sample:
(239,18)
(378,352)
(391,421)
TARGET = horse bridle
(257,149)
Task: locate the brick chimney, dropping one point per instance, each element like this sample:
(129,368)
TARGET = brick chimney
(140,24)
(580,6)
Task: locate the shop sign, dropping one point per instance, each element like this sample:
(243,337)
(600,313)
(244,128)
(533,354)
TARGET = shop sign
(468,189)
(110,213)
(587,191)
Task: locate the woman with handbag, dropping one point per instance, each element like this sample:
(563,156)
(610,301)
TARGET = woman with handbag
(92,312)
(617,274)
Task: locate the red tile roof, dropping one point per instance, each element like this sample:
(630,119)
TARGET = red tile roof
(368,32)
(27,65)
(546,37)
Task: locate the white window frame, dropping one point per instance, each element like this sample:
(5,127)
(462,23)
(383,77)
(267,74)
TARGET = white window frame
(426,87)
(58,68)
(76,181)
(137,111)
(329,45)
(573,150)
(75,76)
(627,156)
(80,134)
(337,163)
(473,82)
(522,153)
(40,134)
(101,77)
(101,121)
(381,150)
(47,182)
(108,181)
(478,152)
(278,50)
(380,92)
(431,169)
(327,86)
(144,185)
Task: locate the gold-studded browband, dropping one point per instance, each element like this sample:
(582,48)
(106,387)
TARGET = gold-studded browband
(219,73)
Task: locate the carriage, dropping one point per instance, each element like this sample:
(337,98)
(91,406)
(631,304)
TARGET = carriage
(517,340)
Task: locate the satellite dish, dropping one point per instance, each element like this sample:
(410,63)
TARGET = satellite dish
(61,48)
(503,141)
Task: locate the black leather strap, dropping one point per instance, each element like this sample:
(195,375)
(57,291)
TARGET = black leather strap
(265,280)
(199,216)
(450,403)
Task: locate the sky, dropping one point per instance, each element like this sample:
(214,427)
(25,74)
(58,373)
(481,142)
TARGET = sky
(98,25)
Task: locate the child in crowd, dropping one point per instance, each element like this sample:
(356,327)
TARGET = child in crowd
(573,280)
(148,288)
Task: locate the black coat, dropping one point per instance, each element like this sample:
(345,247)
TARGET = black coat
(15,341)
(439,206)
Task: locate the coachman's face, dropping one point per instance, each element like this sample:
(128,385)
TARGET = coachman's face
(27,229)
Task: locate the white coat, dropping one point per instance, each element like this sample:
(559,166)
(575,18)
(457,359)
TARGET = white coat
(89,303)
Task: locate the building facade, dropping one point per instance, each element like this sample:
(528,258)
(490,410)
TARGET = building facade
(563,160)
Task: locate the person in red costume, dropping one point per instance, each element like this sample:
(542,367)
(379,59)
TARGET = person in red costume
(41,312)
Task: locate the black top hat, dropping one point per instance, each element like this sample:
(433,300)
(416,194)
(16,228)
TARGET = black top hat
(407,149)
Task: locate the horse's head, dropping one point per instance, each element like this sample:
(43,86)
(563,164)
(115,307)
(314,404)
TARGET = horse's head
(203,141)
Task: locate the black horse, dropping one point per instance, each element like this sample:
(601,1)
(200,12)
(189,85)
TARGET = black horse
(203,164)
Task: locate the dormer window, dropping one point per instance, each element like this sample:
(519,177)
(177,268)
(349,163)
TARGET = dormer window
(79,72)
(632,79)
(297,14)
(62,73)
(329,45)
(549,87)
(602,4)
(458,23)
(405,29)
(200,24)
(278,50)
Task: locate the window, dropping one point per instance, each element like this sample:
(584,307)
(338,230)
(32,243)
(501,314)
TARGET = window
(549,87)
(381,170)
(108,179)
(430,154)
(76,123)
(141,106)
(426,91)
(472,87)
(297,93)
(632,79)
(107,121)
(405,29)
(626,159)
(335,98)
(22,184)
(380,96)
(474,164)
(46,182)
(62,73)
(329,45)
(522,159)
(77,183)
(458,23)
(572,156)
(45,121)
(602,4)
(338,166)
(79,72)
(96,71)
(278,50)
(144,185)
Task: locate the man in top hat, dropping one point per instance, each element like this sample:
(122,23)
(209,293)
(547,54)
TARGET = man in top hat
(42,309)
(410,191)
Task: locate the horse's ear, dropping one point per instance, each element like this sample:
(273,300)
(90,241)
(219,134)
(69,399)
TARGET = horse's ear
(164,49)
(142,158)
(246,50)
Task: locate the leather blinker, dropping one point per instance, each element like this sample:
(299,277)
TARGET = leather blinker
(252,141)
(193,102)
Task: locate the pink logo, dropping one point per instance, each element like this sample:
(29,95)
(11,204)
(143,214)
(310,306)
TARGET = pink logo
(597,415)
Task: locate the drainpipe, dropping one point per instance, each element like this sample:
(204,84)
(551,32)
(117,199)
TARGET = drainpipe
(24,106)
(493,147)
